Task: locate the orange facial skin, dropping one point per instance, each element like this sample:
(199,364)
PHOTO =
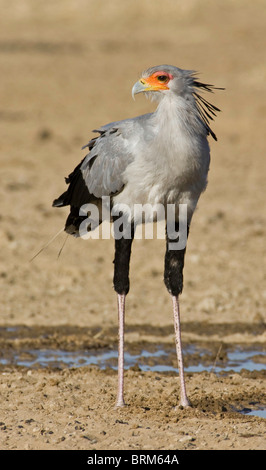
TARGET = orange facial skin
(157,81)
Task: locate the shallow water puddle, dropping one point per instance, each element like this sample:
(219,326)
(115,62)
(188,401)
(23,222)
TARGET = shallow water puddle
(260,412)
(159,359)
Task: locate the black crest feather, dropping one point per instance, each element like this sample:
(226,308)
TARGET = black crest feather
(206,110)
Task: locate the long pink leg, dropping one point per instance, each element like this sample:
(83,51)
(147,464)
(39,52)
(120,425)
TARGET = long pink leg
(183,394)
(121,322)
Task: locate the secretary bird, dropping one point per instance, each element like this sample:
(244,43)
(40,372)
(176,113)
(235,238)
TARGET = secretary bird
(160,158)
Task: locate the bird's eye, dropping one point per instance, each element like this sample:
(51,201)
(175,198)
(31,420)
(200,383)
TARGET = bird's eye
(162,78)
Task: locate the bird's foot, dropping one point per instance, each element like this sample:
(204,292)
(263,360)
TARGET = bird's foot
(120,403)
(184,403)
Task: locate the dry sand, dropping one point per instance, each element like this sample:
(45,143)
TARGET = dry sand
(67,68)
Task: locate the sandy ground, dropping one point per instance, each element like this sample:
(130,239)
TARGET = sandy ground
(68,67)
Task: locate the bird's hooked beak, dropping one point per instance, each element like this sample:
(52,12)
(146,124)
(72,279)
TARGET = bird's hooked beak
(147,84)
(140,86)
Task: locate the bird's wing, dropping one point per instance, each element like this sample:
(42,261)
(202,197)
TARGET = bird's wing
(101,172)
(111,153)
(103,167)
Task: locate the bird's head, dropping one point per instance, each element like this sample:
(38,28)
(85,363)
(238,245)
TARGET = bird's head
(156,82)
(168,81)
